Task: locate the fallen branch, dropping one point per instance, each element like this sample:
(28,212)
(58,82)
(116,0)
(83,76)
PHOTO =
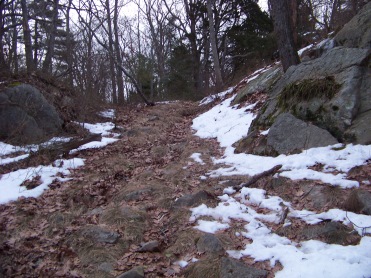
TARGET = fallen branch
(257,177)
(54,151)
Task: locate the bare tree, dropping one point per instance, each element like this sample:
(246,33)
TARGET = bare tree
(27,37)
(214,45)
(282,14)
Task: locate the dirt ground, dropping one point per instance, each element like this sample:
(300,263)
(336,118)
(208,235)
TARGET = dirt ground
(127,194)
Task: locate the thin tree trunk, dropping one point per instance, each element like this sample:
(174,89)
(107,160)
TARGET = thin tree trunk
(111,56)
(283,28)
(214,46)
(120,81)
(27,37)
(69,47)
(47,65)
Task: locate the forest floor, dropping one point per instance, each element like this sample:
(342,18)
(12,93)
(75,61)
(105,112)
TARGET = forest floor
(128,207)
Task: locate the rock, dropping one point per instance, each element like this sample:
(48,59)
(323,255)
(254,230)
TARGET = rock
(231,268)
(193,200)
(106,267)
(137,272)
(357,32)
(291,135)
(210,244)
(347,67)
(359,201)
(151,246)
(137,195)
(262,83)
(100,235)
(360,129)
(331,233)
(26,115)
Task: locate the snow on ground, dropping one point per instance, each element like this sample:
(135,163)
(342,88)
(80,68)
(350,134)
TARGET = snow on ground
(11,187)
(197,158)
(311,258)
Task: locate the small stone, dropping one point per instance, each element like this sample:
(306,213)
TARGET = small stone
(210,244)
(137,272)
(193,200)
(101,235)
(151,246)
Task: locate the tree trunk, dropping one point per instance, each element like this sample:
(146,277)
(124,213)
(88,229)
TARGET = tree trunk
(120,81)
(47,65)
(69,47)
(27,37)
(214,46)
(282,20)
(111,56)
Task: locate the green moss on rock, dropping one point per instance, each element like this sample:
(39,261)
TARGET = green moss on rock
(307,90)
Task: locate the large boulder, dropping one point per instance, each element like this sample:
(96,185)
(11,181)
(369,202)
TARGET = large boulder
(26,116)
(291,135)
(357,32)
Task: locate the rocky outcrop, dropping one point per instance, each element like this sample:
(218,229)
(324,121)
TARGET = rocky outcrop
(357,32)
(26,116)
(330,95)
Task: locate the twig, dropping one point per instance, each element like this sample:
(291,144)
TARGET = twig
(257,177)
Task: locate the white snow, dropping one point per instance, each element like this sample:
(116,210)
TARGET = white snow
(210,226)
(197,157)
(311,258)
(10,183)
(109,113)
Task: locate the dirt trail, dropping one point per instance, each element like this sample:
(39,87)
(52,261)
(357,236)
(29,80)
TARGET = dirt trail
(93,225)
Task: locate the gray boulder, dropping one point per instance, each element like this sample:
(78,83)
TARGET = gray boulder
(26,116)
(357,32)
(231,268)
(291,135)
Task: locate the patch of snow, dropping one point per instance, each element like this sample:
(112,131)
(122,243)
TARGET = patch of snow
(210,226)
(109,113)
(182,263)
(265,132)
(197,158)
(301,51)
(211,98)
(10,183)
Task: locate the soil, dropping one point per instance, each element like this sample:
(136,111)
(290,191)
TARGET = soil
(124,198)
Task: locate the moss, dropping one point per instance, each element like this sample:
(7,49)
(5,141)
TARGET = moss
(15,84)
(307,90)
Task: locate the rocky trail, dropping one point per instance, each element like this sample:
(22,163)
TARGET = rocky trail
(126,212)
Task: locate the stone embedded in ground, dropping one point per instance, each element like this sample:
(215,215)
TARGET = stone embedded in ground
(210,245)
(137,272)
(137,195)
(106,267)
(100,235)
(291,135)
(194,199)
(151,246)
(232,268)
(329,232)
(359,201)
